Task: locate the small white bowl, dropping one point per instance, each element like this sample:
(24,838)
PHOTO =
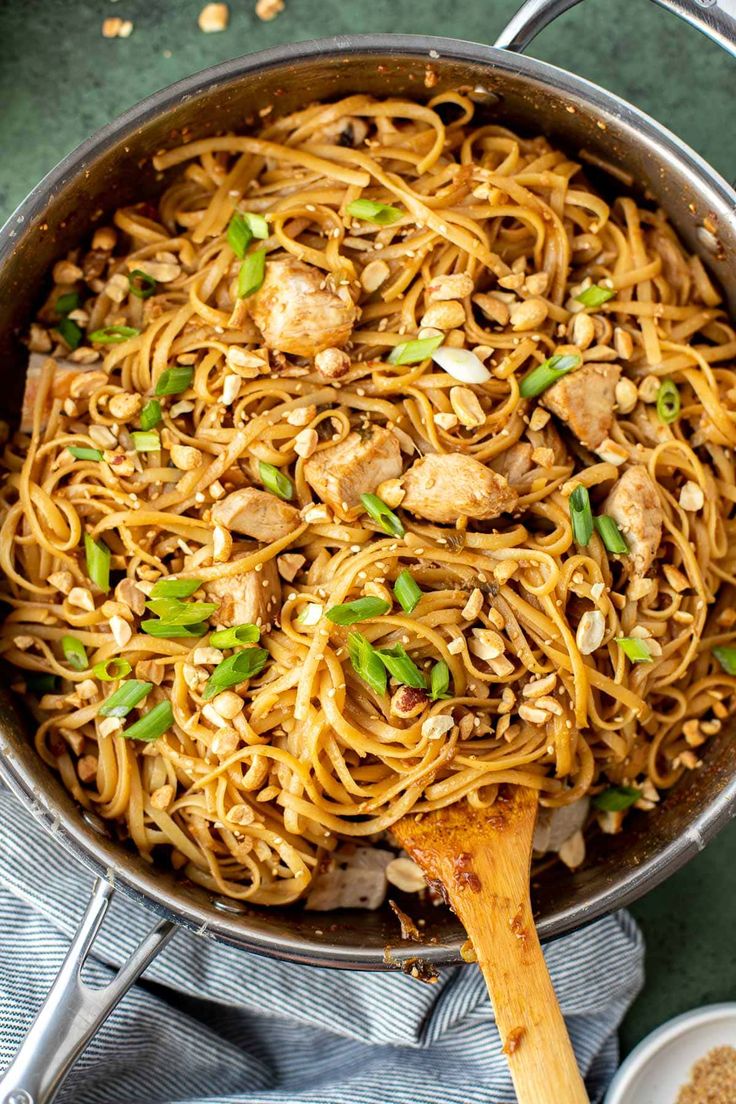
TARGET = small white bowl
(661,1064)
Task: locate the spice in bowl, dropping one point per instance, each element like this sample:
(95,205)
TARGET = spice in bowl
(712,1079)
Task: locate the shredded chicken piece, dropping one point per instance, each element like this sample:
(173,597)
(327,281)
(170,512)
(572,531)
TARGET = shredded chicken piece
(341,474)
(635,506)
(585,400)
(65,373)
(297,311)
(444,487)
(257,514)
(253,598)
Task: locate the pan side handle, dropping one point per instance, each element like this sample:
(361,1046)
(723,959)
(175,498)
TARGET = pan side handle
(715,18)
(72,1011)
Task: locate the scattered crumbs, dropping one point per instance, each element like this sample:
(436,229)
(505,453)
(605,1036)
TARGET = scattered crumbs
(269,9)
(213,18)
(114,27)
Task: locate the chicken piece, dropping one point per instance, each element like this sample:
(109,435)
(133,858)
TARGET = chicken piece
(445,487)
(297,312)
(65,373)
(253,598)
(585,400)
(354,878)
(555,827)
(341,474)
(257,514)
(635,506)
(514,463)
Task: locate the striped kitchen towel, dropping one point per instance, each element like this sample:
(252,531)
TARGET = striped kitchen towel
(212,1023)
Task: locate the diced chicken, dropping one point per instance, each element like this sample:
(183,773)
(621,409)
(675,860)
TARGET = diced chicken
(353,879)
(585,400)
(65,373)
(253,598)
(635,506)
(555,827)
(257,514)
(340,475)
(443,488)
(297,311)
(514,463)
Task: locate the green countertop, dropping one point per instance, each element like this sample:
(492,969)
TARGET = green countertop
(60,80)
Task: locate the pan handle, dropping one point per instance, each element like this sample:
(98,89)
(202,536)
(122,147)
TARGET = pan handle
(72,1011)
(716,18)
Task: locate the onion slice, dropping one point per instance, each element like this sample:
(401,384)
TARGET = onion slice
(461,364)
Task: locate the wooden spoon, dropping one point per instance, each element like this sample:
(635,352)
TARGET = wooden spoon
(481,859)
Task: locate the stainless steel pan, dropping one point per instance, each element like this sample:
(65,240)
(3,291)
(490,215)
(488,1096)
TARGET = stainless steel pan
(113,168)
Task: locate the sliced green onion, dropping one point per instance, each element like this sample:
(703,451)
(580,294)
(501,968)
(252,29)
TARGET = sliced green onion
(67,303)
(383,214)
(581,515)
(367,663)
(109,670)
(402,667)
(98,561)
(84,453)
(175,588)
(70,332)
(152,725)
(141,284)
(113,335)
(74,653)
(122,700)
(235,669)
(439,681)
(151,414)
(668,402)
(275,481)
(257,225)
(414,352)
(634,649)
(37,683)
(408,593)
(146,441)
(595,296)
(239,234)
(252,273)
(232,637)
(176,612)
(362,609)
(385,517)
(616,799)
(726,656)
(611,535)
(544,375)
(173,381)
(169,631)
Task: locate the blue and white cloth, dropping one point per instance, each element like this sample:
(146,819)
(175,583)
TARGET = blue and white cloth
(209,1023)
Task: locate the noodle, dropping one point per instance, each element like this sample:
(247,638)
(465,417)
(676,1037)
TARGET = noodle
(495,239)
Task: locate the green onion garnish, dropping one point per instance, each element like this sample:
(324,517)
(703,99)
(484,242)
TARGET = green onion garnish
(385,517)
(152,725)
(235,669)
(581,515)
(176,612)
(275,481)
(74,652)
(141,284)
(169,631)
(257,225)
(383,214)
(175,588)
(113,335)
(239,234)
(98,561)
(362,609)
(668,402)
(634,649)
(37,683)
(109,670)
(151,414)
(84,453)
(414,352)
(70,332)
(611,535)
(122,700)
(173,381)
(616,799)
(252,273)
(544,375)
(726,656)
(402,667)
(67,303)
(595,296)
(367,663)
(146,441)
(232,637)
(408,593)
(439,681)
